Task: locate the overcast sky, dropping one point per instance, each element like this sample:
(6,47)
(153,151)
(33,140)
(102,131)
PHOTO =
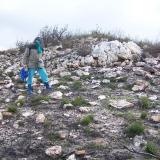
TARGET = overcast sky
(22,19)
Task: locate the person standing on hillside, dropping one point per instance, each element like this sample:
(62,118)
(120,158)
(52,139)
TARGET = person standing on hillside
(32,61)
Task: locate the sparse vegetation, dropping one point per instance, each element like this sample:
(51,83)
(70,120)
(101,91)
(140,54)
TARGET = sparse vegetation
(53,137)
(136,128)
(86,77)
(65,100)
(95,146)
(77,85)
(37,100)
(129,116)
(87,120)
(47,124)
(84,49)
(128,87)
(20,102)
(151,148)
(144,102)
(12,108)
(143,115)
(66,78)
(79,101)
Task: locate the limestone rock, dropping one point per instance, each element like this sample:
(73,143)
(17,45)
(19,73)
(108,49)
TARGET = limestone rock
(80,152)
(71,157)
(63,87)
(21,97)
(101,97)
(7,114)
(122,103)
(67,106)
(140,85)
(54,151)
(109,52)
(1,116)
(40,118)
(81,73)
(27,113)
(63,134)
(56,95)
(84,109)
(155,118)
(63,74)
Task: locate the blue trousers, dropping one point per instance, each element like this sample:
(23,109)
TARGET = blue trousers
(42,73)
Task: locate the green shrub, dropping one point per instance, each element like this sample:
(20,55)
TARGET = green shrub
(79,101)
(143,115)
(12,108)
(87,120)
(77,85)
(66,78)
(21,102)
(86,77)
(151,148)
(65,101)
(37,100)
(136,128)
(144,102)
(53,136)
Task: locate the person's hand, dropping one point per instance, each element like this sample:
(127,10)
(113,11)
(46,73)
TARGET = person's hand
(24,66)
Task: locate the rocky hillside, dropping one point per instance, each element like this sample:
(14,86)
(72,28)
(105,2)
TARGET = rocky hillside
(105,105)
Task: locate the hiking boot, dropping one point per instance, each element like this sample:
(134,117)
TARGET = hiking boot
(48,87)
(30,90)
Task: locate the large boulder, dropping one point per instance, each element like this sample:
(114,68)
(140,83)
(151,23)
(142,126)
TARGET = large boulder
(109,52)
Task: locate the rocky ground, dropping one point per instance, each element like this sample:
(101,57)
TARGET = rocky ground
(89,113)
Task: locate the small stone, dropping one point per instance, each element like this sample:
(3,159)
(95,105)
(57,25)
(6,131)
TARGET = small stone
(28,113)
(7,114)
(68,106)
(40,118)
(101,97)
(21,97)
(153,98)
(63,87)
(56,95)
(63,74)
(63,134)
(81,73)
(106,81)
(93,103)
(153,132)
(1,116)
(71,157)
(99,141)
(80,152)
(140,85)
(95,86)
(110,75)
(140,64)
(84,109)
(9,85)
(7,100)
(54,82)
(54,151)
(75,78)
(66,115)
(155,118)
(16,125)
(120,104)
(138,140)
(39,91)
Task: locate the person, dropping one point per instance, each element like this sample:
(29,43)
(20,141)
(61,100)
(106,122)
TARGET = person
(32,61)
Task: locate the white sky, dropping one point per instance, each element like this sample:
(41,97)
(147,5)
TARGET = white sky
(23,19)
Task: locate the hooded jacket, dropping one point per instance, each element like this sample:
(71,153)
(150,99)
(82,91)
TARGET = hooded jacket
(32,59)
